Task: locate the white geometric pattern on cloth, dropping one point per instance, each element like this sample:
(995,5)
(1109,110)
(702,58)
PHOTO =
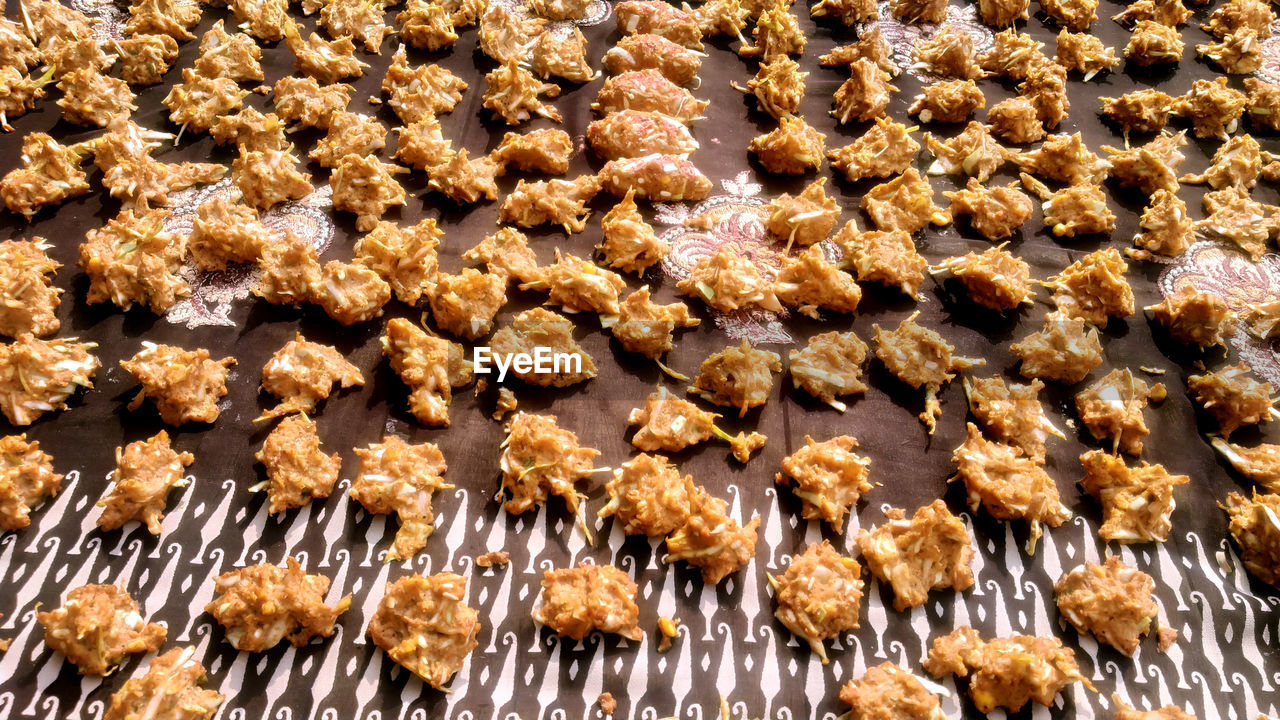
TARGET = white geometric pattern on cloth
(902,37)
(212,293)
(1224,271)
(736,648)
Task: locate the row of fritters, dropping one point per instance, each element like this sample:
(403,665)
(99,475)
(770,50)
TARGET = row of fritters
(425,625)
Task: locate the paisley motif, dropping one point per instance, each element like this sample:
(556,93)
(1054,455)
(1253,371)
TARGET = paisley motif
(902,37)
(1229,274)
(213,293)
(731,221)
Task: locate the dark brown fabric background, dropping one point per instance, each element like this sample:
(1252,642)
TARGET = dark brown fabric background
(1226,663)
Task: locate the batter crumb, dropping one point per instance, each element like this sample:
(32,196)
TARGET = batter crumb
(494,559)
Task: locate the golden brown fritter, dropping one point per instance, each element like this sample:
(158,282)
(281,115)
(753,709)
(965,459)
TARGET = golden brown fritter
(712,541)
(1066,350)
(792,148)
(904,203)
(1165,228)
(27,479)
(649,497)
(168,689)
(647,51)
(865,95)
(425,625)
(828,477)
(1111,409)
(396,477)
(809,281)
(645,327)
(260,605)
(589,598)
(98,627)
(1006,672)
(829,366)
(37,376)
(185,385)
(1253,524)
(807,218)
(1213,108)
(670,423)
(1196,318)
(1010,485)
(1094,288)
(740,377)
(530,330)
(1137,503)
(1112,602)
(1011,413)
(540,459)
(302,373)
(405,257)
(366,187)
(1233,398)
(146,470)
(920,357)
(931,551)
(430,366)
(28,299)
(887,692)
(660,178)
(819,595)
(884,150)
(297,470)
